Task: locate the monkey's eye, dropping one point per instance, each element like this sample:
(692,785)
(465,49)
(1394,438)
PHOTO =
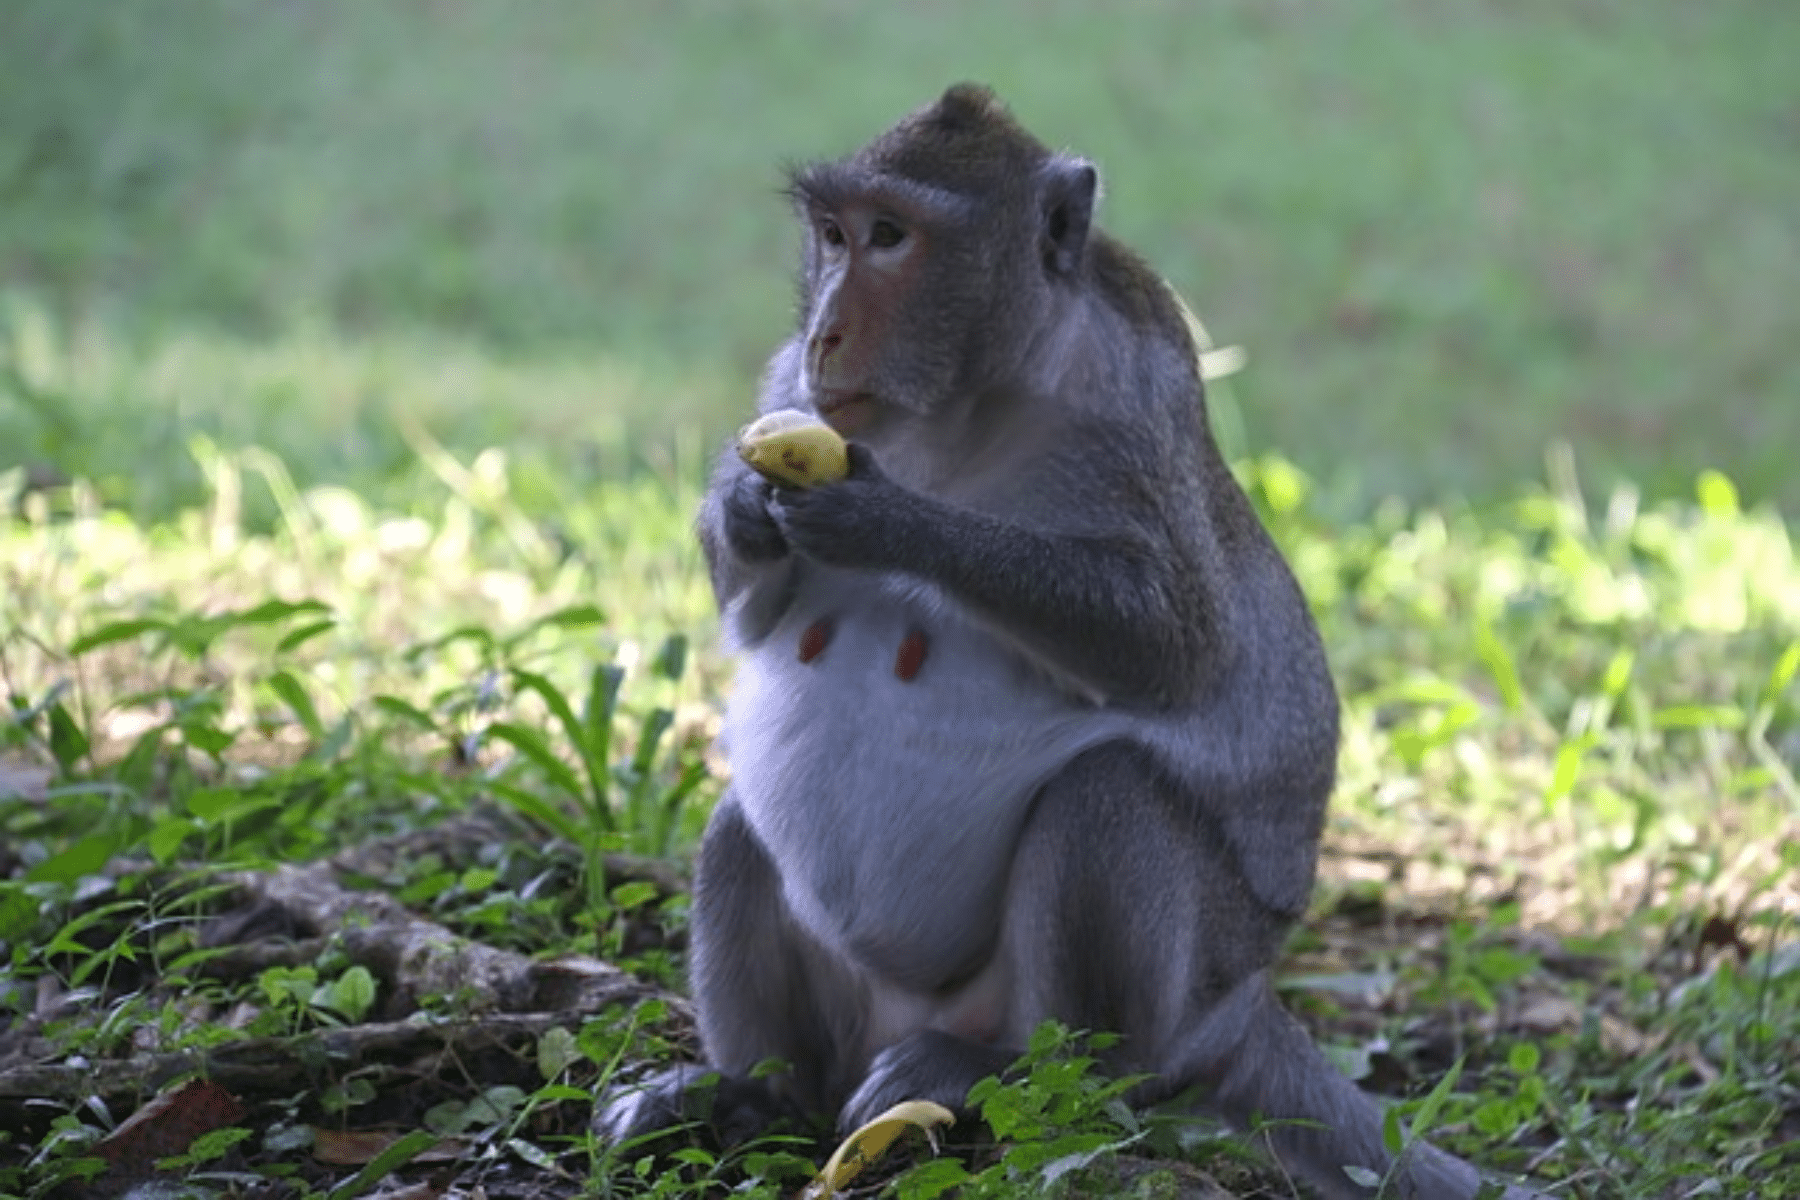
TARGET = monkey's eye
(886,234)
(832,232)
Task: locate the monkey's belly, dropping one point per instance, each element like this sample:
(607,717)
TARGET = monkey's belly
(891,790)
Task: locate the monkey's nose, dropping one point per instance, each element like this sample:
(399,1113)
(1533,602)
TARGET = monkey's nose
(823,345)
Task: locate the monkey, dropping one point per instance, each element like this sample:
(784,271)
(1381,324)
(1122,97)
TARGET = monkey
(1031,719)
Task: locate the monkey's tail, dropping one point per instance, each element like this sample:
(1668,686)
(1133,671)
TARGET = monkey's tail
(1264,1072)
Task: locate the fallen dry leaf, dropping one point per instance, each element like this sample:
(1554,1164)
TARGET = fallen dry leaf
(1550,1014)
(168,1125)
(359,1147)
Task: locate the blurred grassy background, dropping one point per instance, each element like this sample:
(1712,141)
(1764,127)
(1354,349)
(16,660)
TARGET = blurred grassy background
(1449,233)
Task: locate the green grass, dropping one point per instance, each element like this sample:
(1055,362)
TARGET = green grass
(1449,234)
(388,346)
(1567,794)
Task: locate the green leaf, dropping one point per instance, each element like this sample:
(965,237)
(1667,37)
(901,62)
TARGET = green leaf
(194,635)
(352,993)
(67,940)
(1283,485)
(692,776)
(1699,716)
(1393,1137)
(594,766)
(207,738)
(275,610)
(628,896)
(423,891)
(396,707)
(1717,495)
(304,634)
(1523,1058)
(1500,965)
(118,631)
(86,857)
(538,1157)
(531,744)
(1499,661)
(540,810)
(576,616)
(929,1180)
(210,804)
(283,684)
(1563,776)
(18,911)
(466,633)
(214,1144)
(1618,674)
(67,741)
(556,1052)
(671,659)
(395,1156)
(1783,672)
(1425,1117)
(167,836)
(656,723)
(602,704)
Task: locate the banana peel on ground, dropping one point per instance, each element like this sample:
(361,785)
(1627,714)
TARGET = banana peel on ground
(870,1142)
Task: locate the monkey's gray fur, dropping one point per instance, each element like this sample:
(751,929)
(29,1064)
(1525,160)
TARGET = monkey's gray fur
(1095,789)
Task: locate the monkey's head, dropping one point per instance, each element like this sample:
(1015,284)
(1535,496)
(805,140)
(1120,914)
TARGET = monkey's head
(931,258)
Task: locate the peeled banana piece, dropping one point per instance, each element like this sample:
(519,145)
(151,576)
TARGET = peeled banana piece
(871,1142)
(794,449)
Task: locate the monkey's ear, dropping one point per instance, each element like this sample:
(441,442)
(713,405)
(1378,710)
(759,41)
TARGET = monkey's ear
(1068,190)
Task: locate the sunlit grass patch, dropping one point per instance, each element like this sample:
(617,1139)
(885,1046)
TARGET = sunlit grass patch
(1563,848)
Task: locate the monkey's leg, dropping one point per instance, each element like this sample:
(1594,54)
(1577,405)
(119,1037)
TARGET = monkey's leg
(764,988)
(1159,936)
(1255,1060)
(1118,917)
(1126,913)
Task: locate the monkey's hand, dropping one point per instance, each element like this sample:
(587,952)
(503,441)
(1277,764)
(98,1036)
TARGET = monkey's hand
(749,522)
(856,522)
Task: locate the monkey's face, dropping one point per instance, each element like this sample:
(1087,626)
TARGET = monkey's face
(886,326)
(930,263)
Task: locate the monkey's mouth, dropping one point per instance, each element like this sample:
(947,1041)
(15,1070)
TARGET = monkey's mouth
(848,412)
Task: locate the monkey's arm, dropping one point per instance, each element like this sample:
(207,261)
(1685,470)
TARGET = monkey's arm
(753,572)
(1125,610)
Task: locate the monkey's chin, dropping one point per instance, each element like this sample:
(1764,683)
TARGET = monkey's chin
(848,412)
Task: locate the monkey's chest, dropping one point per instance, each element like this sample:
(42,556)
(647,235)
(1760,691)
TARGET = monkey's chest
(886,752)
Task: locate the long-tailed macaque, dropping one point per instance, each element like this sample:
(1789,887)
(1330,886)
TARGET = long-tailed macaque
(1031,720)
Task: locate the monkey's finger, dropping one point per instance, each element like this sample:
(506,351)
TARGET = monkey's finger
(872,1140)
(861,461)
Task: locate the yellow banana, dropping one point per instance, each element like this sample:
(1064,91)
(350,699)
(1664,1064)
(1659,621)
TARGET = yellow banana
(871,1142)
(793,448)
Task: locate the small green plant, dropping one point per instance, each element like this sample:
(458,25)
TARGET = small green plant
(295,999)
(631,801)
(1055,1116)
(209,1147)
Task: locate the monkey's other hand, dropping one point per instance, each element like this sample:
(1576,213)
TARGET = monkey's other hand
(750,528)
(855,522)
(736,1109)
(926,1065)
